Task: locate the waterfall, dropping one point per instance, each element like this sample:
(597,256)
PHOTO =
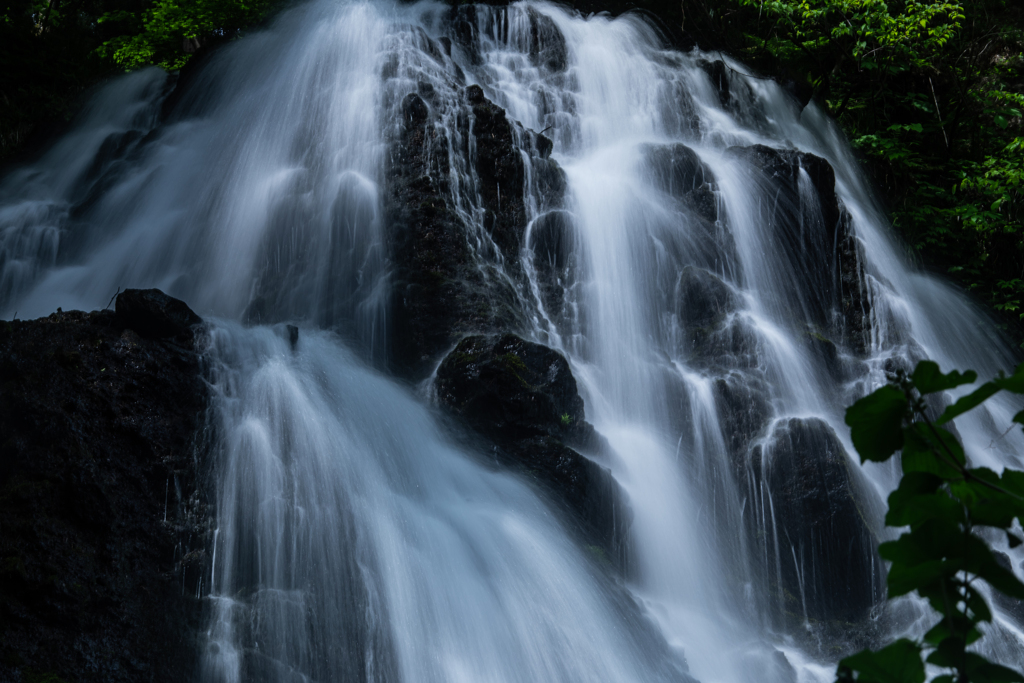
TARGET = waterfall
(704,252)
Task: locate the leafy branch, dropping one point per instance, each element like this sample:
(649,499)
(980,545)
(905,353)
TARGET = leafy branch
(944,502)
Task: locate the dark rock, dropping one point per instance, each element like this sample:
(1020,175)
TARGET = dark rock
(678,171)
(151,313)
(544,146)
(718,72)
(511,389)
(103,500)
(442,287)
(804,484)
(854,304)
(815,235)
(499,168)
(703,299)
(732,345)
(797,87)
(464,30)
(553,243)
(523,397)
(414,110)
(742,401)
(548,48)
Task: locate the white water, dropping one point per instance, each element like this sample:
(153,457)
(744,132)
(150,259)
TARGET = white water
(354,540)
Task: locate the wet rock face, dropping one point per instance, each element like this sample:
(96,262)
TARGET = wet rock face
(555,256)
(545,43)
(718,72)
(436,295)
(499,168)
(827,553)
(451,277)
(816,234)
(703,300)
(548,48)
(678,171)
(744,409)
(523,397)
(103,510)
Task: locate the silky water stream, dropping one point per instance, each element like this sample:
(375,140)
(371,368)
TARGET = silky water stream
(721,293)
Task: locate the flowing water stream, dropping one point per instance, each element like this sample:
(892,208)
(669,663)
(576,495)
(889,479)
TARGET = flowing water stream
(355,539)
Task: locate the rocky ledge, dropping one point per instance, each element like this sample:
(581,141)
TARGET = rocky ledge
(103,508)
(522,397)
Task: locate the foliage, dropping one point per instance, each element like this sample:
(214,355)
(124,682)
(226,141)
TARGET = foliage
(169,31)
(931,95)
(55,50)
(950,509)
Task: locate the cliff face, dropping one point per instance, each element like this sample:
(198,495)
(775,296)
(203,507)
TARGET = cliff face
(103,512)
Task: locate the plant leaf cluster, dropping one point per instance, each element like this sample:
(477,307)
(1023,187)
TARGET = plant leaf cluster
(943,502)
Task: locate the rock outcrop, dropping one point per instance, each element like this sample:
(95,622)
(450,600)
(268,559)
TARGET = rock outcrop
(522,396)
(811,225)
(103,505)
(451,275)
(809,501)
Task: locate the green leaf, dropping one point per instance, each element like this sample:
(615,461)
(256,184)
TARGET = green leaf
(932,449)
(912,486)
(1013,383)
(876,423)
(982,562)
(928,378)
(980,670)
(899,662)
(965,403)
(919,509)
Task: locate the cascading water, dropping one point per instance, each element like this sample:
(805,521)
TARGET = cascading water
(708,259)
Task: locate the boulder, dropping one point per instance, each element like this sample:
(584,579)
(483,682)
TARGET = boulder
(104,548)
(155,315)
(523,397)
(806,496)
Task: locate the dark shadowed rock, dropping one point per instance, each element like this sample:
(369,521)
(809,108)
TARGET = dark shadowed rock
(499,167)
(103,504)
(553,245)
(718,72)
(548,48)
(522,396)
(703,299)
(677,170)
(438,292)
(827,552)
(446,282)
(151,313)
(744,408)
(806,219)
